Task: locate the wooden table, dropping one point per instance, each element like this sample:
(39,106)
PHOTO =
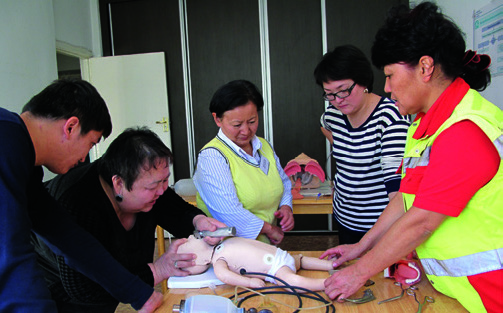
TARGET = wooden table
(307,205)
(383,288)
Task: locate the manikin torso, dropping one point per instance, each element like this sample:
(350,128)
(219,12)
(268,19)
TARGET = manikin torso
(232,252)
(237,252)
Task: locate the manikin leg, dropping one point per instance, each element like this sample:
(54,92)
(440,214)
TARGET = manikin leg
(308,263)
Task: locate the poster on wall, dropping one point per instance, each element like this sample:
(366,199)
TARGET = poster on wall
(488,34)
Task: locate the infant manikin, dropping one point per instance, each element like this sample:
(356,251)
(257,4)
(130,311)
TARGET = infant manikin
(236,253)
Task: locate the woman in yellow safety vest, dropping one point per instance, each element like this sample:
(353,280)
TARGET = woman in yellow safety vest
(449,207)
(239,178)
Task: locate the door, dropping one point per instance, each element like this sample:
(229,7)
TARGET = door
(134,88)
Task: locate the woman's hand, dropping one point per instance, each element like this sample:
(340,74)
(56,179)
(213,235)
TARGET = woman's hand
(273,232)
(285,216)
(344,283)
(202,222)
(172,264)
(342,253)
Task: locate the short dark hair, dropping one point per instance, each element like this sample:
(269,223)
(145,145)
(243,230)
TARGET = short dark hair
(234,94)
(134,149)
(345,62)
(407,35)
(65,98)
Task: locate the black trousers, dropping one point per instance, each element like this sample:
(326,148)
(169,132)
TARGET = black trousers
(347,236)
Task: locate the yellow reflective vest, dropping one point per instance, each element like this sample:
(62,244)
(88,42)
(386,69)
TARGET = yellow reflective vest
(258,192)
(471,243)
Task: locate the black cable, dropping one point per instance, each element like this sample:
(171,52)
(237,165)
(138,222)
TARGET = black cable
(244,272)
(331,306)
(294,289)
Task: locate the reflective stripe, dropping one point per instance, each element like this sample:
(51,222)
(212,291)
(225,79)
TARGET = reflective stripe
(467,265)
(499,145)
(423,160)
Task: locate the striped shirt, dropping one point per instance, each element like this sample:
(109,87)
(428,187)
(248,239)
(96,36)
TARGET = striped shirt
(367,159)
(213,181)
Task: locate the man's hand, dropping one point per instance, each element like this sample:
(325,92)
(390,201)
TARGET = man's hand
(285,216)
(152,303)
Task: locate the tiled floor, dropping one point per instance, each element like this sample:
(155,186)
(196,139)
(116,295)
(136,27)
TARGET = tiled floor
(291,242)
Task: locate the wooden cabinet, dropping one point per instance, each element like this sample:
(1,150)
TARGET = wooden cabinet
(276,44)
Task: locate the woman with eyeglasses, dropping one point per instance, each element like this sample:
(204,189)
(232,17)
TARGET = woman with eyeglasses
(367,134)
(239,178)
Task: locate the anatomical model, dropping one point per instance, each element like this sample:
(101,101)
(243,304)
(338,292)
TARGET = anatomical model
(304,173)
(235,253)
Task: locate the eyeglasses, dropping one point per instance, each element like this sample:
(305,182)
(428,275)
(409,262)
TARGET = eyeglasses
(340,94)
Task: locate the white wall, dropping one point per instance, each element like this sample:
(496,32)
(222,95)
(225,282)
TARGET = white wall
(72,22)
(27,50)
(461,11)
(77,23)
(28,33)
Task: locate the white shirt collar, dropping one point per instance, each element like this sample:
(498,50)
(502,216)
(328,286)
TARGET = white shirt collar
(256,144)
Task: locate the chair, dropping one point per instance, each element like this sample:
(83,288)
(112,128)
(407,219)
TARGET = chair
(161,249)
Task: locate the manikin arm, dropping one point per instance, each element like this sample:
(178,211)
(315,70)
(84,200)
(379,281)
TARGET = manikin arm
(223,273)
(311,263)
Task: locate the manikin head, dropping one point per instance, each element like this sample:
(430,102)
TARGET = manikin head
(202,250)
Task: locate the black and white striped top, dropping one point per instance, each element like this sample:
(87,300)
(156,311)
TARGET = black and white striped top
(367,159)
